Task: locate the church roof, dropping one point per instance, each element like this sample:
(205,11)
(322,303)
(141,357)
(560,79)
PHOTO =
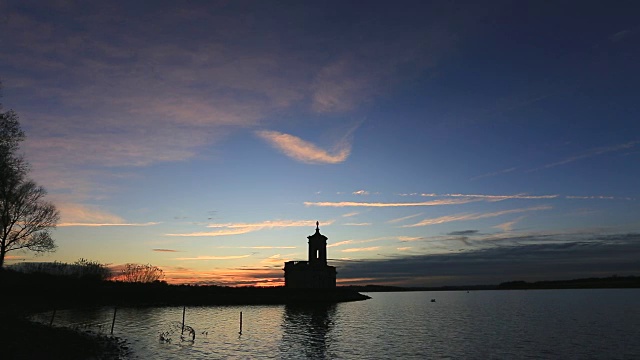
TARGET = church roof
(317,235)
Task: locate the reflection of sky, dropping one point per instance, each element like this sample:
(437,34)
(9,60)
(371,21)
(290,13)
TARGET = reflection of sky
(207,139)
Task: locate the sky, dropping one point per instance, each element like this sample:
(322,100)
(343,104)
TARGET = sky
(436,142)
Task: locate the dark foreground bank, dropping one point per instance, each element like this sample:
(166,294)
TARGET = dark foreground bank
(24,294)
(22,339)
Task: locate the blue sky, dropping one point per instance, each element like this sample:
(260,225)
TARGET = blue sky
(438,143)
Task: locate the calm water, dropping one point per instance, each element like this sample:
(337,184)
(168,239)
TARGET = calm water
(556,324)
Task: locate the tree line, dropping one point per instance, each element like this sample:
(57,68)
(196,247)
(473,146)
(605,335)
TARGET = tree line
(92,270)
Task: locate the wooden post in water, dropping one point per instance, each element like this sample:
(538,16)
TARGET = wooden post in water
(240,323)
(184,309)
(53,315)
(113,322)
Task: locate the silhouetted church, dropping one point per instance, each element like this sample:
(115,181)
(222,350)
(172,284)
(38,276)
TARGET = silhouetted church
(314,273)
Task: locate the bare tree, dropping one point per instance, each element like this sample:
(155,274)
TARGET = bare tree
(140,273)
(26,218)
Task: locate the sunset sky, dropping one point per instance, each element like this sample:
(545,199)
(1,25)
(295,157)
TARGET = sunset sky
(437,143)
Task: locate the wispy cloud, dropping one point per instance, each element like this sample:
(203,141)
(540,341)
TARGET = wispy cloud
(382,204)
(351,214)
(214,233)
(275,259)
(406,248)
(589,154)
(590,197)
(410,238)
(407,194)
(463,233)
(231,257)
(269,224)
(337,89)
(372,248)
(304,151)
(165,250)
(397,220)
(128,100)
(447,199)
(352,242)
(620,35)
(74,214)
(160,101)
(359,74)
(474,216)
(494,198)
(244,228)
(256,247)
(508,226)
(598,197)
(107,224)
(358,224)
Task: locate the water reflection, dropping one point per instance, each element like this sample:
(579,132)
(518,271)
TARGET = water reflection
(483,324)
(306,331)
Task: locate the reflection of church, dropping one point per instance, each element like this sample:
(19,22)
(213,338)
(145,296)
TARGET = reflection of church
(314,273)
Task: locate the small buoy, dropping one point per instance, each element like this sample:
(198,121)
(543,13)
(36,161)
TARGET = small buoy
(433,300)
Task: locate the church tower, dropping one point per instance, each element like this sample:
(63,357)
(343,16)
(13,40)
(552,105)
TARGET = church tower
(317,248)
(314,273)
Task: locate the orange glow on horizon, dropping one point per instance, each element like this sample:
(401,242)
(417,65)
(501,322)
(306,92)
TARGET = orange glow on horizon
(246,277)
(232,277)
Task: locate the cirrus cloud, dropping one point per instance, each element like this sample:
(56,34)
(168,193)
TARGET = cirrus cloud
(107,224)
(243,228)
(232,257)
(474,216)
(304,151)
(372,248)
(381,204)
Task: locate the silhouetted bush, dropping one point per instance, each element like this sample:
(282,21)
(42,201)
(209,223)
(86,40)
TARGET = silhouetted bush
(139,273)
(81,269)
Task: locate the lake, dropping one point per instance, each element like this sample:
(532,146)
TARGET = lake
(531,324)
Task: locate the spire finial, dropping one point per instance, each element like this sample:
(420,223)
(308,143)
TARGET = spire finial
(317,225)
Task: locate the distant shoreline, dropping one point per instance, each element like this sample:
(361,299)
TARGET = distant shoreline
(611,282)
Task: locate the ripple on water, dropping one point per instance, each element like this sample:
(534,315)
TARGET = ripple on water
(478,324)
